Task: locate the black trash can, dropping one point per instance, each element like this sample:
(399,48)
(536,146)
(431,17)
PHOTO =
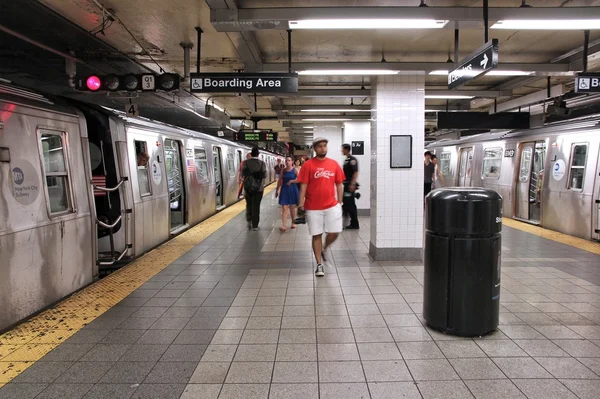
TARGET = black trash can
(462,260)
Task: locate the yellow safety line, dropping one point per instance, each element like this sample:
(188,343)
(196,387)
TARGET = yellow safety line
(30,341)
(580,243)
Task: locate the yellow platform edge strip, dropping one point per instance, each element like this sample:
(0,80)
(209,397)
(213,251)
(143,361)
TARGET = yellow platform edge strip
(31,340)
(580,243)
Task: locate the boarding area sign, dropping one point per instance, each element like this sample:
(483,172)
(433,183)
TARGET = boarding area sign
(587,82)
(480,61)
(244,83)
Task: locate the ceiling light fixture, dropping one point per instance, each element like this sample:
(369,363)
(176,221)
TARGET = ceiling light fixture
(367,24)
(448,96)
(547,24)
(323,72)
(326,120)
(335,110)
(494,72)
(307,127)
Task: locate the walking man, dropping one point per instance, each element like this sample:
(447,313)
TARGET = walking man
(350,177)
(254,171)
(429,171)
(278,169)
(321,193)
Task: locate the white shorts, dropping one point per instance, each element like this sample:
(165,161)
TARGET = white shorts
(325,221)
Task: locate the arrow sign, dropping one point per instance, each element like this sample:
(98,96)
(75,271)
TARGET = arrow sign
(479,62)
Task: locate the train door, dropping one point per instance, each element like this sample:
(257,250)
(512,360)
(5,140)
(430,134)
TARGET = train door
(529,181)
(465,167)
(217,156)
(596,228)
(175,182)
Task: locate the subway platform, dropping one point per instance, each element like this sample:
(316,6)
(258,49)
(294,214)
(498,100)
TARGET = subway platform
(232,313)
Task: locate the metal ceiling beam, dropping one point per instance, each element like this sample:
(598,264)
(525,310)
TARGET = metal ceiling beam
(410,66)
(299,108)
(329,93)
(324,117)
(473,93)
(529,99)
(235,20)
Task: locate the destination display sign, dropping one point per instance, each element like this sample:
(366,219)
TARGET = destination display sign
(244,83)
(586,82)
(256,135)
(479,62)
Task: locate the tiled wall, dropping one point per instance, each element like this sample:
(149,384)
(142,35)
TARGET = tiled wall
(361,131)
(397,194)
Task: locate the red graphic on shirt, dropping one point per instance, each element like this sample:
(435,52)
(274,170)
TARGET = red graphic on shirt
(321,178)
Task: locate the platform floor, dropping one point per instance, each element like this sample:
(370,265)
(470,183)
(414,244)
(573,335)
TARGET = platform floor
(242,316)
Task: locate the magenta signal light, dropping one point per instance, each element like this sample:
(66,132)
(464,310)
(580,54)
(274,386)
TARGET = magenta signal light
(93,83)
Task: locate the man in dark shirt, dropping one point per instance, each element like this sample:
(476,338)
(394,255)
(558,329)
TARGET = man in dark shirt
(254,171)
(278,169)
(429,171)
(351,175)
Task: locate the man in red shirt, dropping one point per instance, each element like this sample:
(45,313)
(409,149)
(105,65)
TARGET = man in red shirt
(321,178)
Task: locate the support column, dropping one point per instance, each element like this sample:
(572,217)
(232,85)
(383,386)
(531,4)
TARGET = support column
(397,194)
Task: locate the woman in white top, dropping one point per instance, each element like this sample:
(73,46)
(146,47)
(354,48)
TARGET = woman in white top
(437,175)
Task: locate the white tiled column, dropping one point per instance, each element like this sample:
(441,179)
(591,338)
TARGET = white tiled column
(361,131)
(397,194)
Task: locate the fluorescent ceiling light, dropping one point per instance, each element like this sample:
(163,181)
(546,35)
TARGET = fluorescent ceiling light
(448,96)
(335,110)
(307,127)
(548,24)
(322,72)
(494,72)
(367,24)
(326,120)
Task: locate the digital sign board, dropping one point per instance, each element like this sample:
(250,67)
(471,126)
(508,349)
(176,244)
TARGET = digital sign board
(256,135)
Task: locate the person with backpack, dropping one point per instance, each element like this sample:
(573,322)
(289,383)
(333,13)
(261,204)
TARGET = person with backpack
(254,172)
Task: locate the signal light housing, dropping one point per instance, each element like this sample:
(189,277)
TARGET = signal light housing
(128,82)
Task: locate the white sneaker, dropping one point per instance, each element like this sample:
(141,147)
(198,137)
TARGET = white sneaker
(319,272)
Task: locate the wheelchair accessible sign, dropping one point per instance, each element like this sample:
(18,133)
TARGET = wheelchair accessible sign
(244,83)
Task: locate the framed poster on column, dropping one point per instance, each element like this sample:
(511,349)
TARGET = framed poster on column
(401,152)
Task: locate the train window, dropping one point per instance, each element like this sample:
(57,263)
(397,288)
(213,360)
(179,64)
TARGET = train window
(55,171)
(230,165)
(445,163)
(492,161)
(201,162)
(525,168)
(143,171)
(577,173)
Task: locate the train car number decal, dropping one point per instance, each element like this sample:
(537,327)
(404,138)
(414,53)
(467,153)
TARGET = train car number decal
(509,153)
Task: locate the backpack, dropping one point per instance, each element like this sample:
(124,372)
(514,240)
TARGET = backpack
(251,184)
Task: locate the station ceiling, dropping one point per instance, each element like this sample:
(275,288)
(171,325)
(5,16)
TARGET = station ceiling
(251,35)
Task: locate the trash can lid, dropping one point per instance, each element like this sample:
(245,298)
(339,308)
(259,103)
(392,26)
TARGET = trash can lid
(464,194)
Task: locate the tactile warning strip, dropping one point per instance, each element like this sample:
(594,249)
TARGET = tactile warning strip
(30,341)
(580,243)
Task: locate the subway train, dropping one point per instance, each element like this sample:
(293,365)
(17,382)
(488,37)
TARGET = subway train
(548,176)
(85,189)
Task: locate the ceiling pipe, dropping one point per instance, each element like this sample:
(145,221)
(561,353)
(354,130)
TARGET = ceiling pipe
(187,47)
(199,48)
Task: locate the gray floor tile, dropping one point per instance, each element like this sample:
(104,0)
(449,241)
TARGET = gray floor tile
(62,391)
(159,391)
(233,323)
(264,323)
(335,335)
(66,352)
(343,391)
(244,391)
(171,373)
(585,389)
(170,323)
(194,337)
(85,372)
(227,337)
(373,335)
(410,334)
(578,348)
(128,372)
(137,323)
(110,391)
(419,350)
(379,351)
(42,372)
(540,347)
(219,353)
(255,353)
(294,391)
(105,353)
(386,370)
(501,348)
(21,391)
(591,363)
(566,367)
(87,337)
(331,352)
(444,390)
(201,391)
(296,352)
(521,367)
(272,311)
(184,353)
(476,369)
(210,373)
(494,389)
(431,370)
(333,322)
(341,372)
(249,373)
(543,389)
(158,337)
(144,353)
(303,336)
(122,337)
(260,337)
(295,372)
(393,390)
(460,349)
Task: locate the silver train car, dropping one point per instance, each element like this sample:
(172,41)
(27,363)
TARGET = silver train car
(549,176)
(85,190)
